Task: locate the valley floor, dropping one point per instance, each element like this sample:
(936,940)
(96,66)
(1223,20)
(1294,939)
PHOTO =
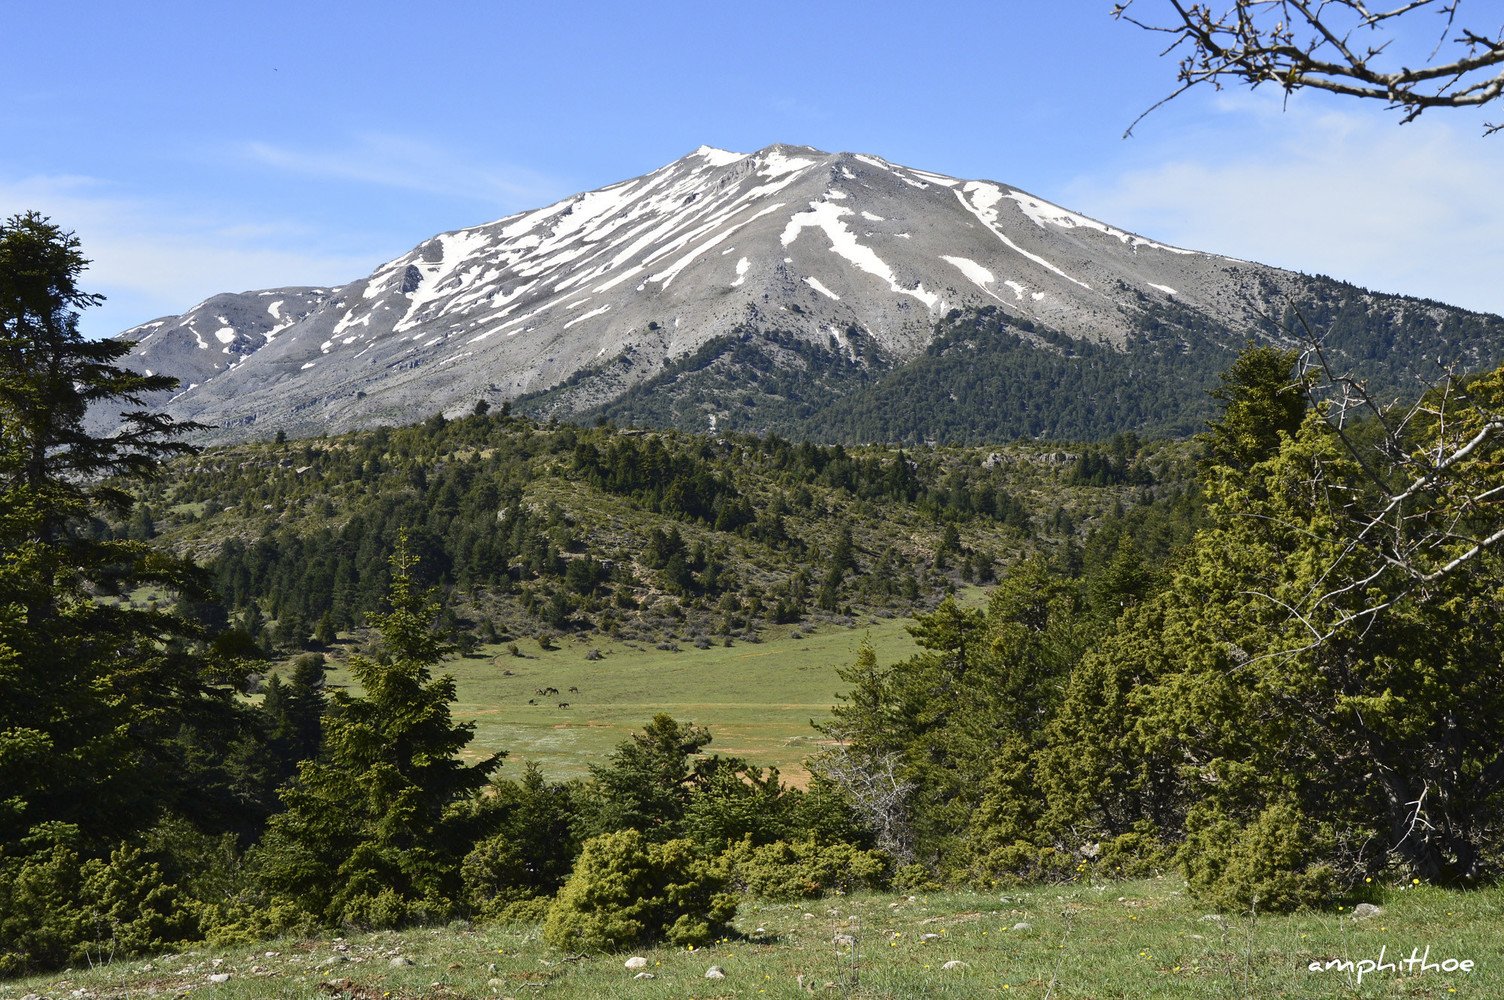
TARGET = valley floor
(1087,940)
(757,699)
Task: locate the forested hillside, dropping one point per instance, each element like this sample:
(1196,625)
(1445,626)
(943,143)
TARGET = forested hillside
(640,535)
(988,375)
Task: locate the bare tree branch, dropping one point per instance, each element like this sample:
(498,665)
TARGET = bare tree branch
(881,797)
(1339,46)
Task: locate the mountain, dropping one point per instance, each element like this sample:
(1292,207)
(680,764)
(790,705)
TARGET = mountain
(217,335)
(835,295)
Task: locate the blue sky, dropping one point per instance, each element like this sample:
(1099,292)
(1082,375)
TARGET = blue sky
(215,146)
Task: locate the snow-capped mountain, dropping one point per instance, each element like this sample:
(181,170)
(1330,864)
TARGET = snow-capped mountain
(846,251)
(219,333)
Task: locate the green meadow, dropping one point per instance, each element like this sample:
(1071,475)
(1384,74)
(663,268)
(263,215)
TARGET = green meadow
(1087,940)
(756,698)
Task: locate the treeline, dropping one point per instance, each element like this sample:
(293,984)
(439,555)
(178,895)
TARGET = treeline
(530,528)
(1301,701)
(988,375)
(1405,340)
(757,380)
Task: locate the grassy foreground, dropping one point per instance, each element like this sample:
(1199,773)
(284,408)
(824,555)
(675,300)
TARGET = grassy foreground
(1141,939)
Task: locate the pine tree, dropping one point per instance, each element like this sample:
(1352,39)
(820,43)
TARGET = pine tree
(112,720)
(370,835)
(91,696)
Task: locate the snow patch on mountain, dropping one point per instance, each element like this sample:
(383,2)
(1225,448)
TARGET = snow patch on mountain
(775,163)
(940,179)
(667,275)
(826,217)
(1042,213)
(815,284)
(719,157)
(590,315)
(976,273)
(454,249)
(983,204)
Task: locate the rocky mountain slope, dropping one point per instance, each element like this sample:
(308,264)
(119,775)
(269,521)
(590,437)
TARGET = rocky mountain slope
(218,334)
(802,275)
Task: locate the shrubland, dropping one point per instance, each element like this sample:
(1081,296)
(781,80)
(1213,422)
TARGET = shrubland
(1276,675)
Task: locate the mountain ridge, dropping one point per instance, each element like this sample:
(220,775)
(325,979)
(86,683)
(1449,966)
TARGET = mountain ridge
(570,307)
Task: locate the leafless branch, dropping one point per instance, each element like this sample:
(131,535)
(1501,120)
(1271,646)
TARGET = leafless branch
(1426,504)
(1417,817)
(879,794)
(1339,46)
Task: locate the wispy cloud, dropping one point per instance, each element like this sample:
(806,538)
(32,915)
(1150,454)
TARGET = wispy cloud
(411,164)
(150,258)
(1415,209)
(160,253)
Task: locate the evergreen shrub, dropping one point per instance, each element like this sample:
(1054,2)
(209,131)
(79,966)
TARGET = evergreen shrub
(626,891)
(58,908)
(1268,865)
(803,869)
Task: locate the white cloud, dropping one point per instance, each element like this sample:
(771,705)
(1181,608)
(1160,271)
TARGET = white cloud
(159,253)
(410,164)
(1415,209)
(152,258)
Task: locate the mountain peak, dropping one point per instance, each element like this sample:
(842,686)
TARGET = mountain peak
(718,157)
(847,253)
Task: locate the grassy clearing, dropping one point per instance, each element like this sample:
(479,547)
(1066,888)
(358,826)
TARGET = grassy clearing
(1133,940)
(757,699)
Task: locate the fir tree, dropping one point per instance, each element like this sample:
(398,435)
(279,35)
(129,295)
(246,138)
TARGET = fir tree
(112,720)
(91,695)
(647,783)
(1262,400)
(370,835)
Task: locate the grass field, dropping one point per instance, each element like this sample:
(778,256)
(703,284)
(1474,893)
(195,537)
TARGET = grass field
(1139,940)
(757,699)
